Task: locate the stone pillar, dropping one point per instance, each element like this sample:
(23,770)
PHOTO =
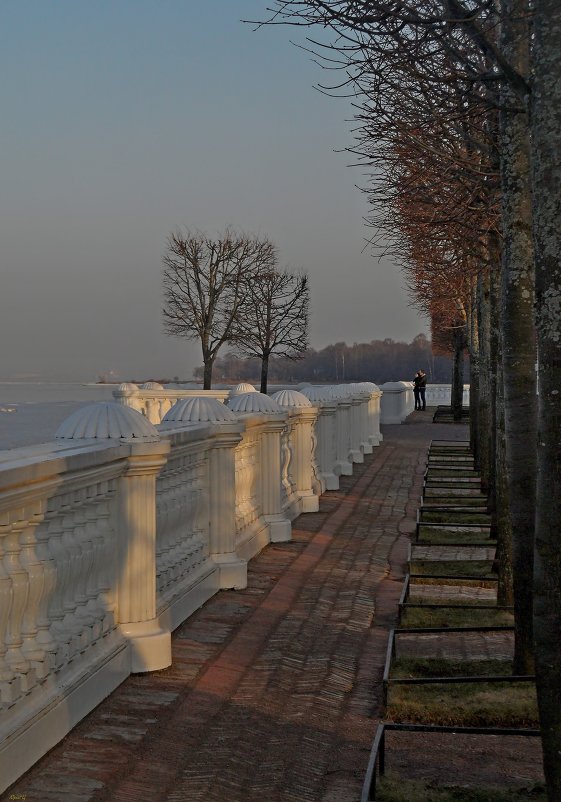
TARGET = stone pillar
(222,504)
(355,453)
(365,444)
(304,420)
(375,437)
(136,580)
(327,444)
(343,465)
(280,529)
(393,403)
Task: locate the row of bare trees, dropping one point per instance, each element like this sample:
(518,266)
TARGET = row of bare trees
(457,121)
(229,289)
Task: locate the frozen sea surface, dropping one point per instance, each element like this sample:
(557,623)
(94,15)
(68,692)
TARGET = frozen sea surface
(30,412)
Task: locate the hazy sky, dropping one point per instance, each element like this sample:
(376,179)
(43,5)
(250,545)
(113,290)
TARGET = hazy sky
(122,119)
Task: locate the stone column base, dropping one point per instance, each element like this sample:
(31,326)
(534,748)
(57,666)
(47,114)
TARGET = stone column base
(280,530)
(309,503)
(344,468)
(150,645)
(233,571)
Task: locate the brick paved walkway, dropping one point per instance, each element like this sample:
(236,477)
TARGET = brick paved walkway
(274,691)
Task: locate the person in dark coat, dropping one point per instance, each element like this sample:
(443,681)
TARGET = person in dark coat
(419,388)
(416,393)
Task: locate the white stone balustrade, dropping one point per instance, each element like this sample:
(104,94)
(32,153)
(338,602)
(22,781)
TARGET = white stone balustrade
(114,534)
(436,394)
(394,406)
(154,401)
(326,437)
(397,400)
(372,423)
(343,457)
(300,472)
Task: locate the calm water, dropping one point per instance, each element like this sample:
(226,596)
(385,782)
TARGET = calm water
(39,392)
(31,412)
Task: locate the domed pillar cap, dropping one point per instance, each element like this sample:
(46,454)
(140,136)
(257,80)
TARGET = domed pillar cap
(316,394)
(151,386)
(253,402)
(242,388)
(198,409)
(107,420)
(291,399)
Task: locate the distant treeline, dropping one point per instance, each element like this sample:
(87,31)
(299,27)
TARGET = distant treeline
(378,361)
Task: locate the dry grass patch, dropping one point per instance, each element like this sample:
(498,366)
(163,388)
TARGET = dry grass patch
(419,667)
(453,568)
(454,517)
(391,788)
(441,535)
(465,704)
(467,616)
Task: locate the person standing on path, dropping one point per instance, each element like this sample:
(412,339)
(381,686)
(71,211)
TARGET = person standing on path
(422,389)
(419,387)
(416,391)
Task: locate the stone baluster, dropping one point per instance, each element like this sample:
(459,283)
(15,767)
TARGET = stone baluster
(302,434)
(318,482)
(6,672)
(32,565)
(223,481)
(343,465)
(107,575)
(94,533)
(85,544)
(150,644)
(71,627)
(167,514)
(280,529)
(44,635)
(374,435)
(326,429)
(286,459)
(59,555)
(15,657)
(365,444)
(355,452)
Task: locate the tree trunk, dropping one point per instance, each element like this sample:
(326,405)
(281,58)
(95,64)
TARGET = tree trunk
(264,372)
(518,334)
(484,326)
(474,372)
(546,163)
(501,509)
(207,373)
(458,375)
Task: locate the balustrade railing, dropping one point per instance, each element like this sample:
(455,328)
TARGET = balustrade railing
(112,535)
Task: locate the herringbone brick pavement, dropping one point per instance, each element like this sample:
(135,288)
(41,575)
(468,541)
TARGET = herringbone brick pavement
(274,690)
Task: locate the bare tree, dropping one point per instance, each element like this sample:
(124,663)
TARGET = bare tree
(203,280)
(274,317)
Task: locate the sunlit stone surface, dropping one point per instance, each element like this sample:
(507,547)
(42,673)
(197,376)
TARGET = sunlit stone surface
(107,420)
(198,409)
(253,402)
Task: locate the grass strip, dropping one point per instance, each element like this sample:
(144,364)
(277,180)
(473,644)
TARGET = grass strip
(454,517)
(392,788)
(420,667)
(453,568)
(467,602)
(445,537)
(465,704)
(456,500)
(453,617)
